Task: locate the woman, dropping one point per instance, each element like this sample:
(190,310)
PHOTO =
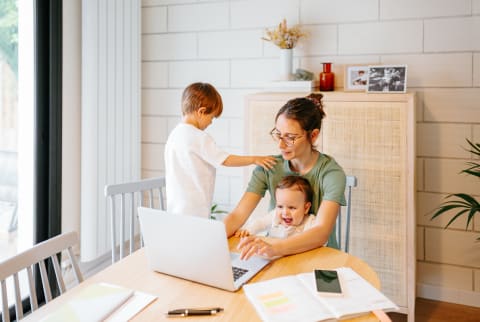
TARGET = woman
(297,127)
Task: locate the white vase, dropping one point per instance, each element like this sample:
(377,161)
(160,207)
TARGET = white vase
(286,64)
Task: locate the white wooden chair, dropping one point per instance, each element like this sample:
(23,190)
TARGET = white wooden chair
(350,184)
(146,193)
(37,255)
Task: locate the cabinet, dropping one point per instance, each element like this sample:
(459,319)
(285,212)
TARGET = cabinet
(372,136)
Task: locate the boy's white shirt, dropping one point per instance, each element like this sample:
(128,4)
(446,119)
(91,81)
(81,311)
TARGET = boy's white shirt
(274,228)
(191,159)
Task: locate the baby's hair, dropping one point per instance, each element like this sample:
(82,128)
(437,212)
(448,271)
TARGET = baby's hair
(198,95)
(297,183)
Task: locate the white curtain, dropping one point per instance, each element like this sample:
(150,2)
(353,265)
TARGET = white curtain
(111,111)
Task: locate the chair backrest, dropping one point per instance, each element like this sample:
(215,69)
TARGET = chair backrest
(350,184)
(147,193)
(37,255)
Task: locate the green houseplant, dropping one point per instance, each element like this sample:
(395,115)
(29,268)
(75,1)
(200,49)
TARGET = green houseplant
(215,212)
(463,203)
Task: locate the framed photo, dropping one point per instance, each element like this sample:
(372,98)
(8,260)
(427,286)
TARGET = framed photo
(355,78)
(387,79)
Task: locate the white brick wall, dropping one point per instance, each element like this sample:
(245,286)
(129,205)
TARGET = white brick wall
(386,37)
(393,9)
(452,34)
(220,42)
(194,17)
(261,14)
(326,11)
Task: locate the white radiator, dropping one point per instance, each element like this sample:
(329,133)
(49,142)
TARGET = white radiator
(111,111)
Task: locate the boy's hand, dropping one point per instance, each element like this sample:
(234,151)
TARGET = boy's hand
(267,162)
(242,233)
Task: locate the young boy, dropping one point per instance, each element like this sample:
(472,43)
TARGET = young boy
(192,156)
(293,196)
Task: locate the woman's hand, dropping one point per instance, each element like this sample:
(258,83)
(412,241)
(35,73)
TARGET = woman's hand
(253,245)
(242,233)
(267,162)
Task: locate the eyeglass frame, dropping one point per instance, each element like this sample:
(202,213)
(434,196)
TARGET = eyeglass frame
(275,134)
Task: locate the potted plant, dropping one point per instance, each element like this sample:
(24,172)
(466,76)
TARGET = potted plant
(216,213)
(286,39)
(462,203)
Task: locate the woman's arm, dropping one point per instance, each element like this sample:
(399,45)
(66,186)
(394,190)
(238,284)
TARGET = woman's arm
(312,238)
(242,211)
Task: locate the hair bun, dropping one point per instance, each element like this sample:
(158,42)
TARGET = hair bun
(316,99)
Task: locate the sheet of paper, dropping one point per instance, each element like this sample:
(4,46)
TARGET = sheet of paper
(133,306)
(94,303)
(359,296)
(285,299)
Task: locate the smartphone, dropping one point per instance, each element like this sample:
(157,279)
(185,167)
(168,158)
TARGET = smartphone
(328,282)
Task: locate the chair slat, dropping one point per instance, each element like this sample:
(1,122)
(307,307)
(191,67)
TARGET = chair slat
(31,287)
(122,225)
(5,311)
(132,222)
(46,285)
(58,273)
(162,201)
(150,198)
(351,182)
(112,227)
(76,268)
(18,297)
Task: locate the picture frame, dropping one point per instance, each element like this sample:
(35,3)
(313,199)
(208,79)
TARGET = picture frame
(387,79)
(355,78)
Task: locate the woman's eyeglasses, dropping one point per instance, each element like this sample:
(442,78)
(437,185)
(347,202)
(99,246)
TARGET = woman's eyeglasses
(288,139)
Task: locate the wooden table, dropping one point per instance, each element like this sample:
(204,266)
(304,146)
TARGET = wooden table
(133,272)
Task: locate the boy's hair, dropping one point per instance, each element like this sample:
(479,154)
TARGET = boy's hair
(300,183)
(198,95)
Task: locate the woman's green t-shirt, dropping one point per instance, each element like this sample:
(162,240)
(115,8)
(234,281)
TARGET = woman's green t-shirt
(327,179)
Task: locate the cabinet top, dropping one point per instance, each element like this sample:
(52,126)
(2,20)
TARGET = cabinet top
(336,96)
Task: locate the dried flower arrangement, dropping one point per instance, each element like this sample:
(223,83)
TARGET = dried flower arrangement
(284,37)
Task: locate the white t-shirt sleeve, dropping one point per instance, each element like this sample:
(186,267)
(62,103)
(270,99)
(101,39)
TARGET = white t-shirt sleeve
(211,152)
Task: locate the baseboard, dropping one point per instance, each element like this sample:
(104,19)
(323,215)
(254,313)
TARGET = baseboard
(443,294)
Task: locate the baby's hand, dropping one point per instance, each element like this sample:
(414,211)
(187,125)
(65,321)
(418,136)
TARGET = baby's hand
(242,233)
(267,162)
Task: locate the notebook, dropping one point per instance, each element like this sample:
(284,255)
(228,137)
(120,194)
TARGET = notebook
(194,248)
(95,303)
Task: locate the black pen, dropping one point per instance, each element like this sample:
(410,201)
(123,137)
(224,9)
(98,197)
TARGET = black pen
(190,312)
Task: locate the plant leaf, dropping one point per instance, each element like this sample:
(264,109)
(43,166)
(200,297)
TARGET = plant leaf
(470,215)
(455,217)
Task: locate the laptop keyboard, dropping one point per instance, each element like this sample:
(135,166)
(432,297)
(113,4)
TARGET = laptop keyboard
(238,272)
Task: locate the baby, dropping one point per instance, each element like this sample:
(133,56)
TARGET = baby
(293,196)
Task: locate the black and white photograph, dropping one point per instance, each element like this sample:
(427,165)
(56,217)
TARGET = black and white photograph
(387,79)
(356,78)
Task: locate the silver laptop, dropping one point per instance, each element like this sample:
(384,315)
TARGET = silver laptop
(195,249)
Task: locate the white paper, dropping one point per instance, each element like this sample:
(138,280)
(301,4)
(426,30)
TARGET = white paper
(359,296)
(284,299)
(101,302)
(294,298)
(134,305)
(94,303)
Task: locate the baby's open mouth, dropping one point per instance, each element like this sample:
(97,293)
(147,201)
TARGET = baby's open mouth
(287,221)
